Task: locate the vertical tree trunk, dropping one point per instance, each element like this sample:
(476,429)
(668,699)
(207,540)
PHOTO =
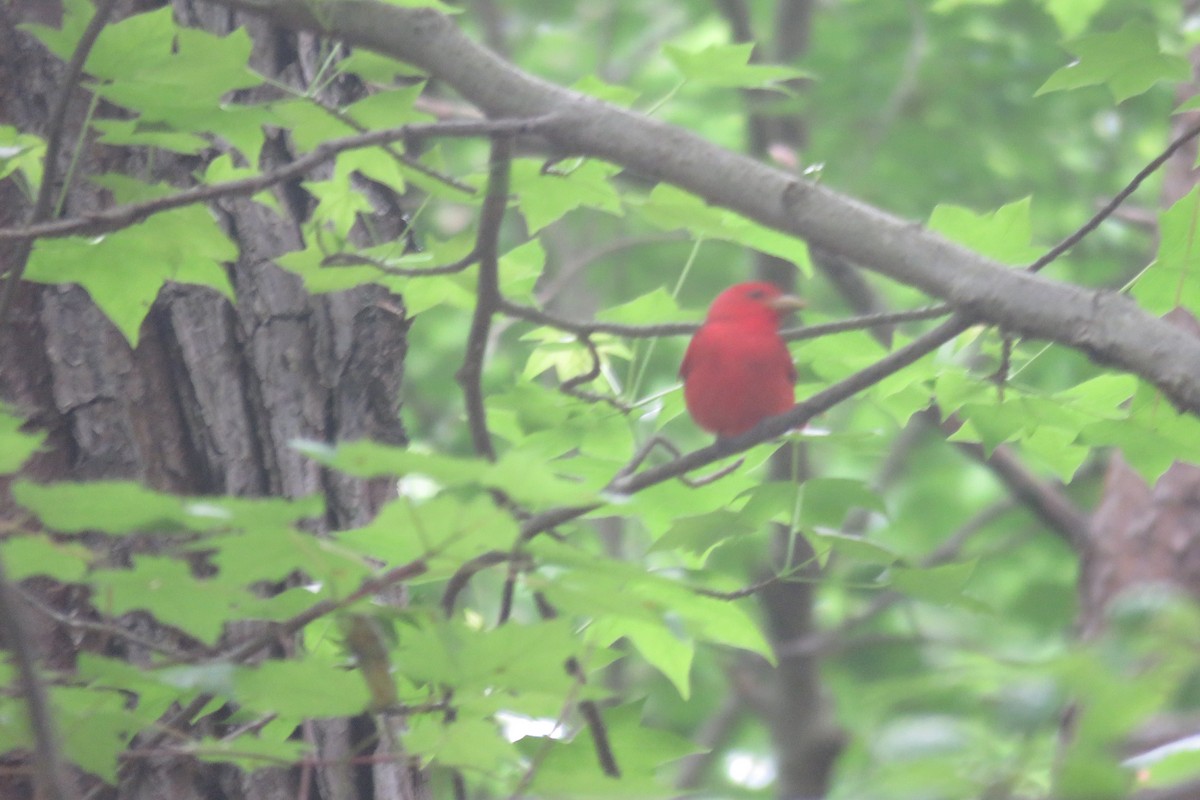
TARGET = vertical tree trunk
(215,393)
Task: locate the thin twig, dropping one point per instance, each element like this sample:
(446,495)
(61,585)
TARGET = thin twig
(43,205)
(571,385)
(822,641)
(357,260)
(240,651)
(487,294)
(469,569)
(50,773)
(536,315)
(123,216)
(109,629)
(1106,211)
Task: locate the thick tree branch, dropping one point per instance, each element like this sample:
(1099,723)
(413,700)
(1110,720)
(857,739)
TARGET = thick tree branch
(1108,327)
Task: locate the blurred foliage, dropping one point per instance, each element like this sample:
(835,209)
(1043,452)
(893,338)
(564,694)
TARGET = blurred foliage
(949,674)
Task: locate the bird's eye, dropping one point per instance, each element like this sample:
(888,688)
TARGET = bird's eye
(757,294)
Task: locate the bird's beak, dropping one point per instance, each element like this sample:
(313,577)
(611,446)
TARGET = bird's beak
(787,302)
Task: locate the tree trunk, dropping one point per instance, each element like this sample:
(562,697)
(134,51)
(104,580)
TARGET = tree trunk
(215,393)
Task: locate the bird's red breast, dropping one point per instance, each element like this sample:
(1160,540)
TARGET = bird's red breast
(737,370)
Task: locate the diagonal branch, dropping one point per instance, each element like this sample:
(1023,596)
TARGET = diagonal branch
(766,430)
(1108,327)
(123,216)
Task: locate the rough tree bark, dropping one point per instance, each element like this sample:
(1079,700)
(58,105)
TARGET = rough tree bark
(214,393)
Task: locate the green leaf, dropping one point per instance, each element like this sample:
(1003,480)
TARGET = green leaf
(436,5)
(365,459)
(545,196)
(569,769)
(1171,280)
(304,688)
(1003,234)
(123,271)
(528,479)
(670,208)
(446,531)
(827,501)
(376,68)
(106,506)
(63,40)
(520,269)
(657,305)
(248,752)
(94,726)
(728,65)
(389,109)
(943,585)
(659,645)
(467,743)
(165,587)
(513,658)
(16,446)
(593,587)
(26,556)
(1128,61)
(608,92)
(856,548)
(24,152)
(1072,16)
(699,534)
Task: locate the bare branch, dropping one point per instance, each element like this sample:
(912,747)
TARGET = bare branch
(356,260)
(50,773)
(537,316)
(487,295)
(123,216)
(1107,210)
(43,205)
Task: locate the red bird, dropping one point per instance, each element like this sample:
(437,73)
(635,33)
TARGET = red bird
(737,370)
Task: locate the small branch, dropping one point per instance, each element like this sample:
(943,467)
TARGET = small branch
(752,589)
(818,642)
(469,569)
(595,724)
(239,651)
(571,385)
(864,322)
(487,300)
(1107,210)
(1044,499)
(123,216)
(50,773)
(43,205)
(108,629)
(537,316)
(577,262)
(356,260)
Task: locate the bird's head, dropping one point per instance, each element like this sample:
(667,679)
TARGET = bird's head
(752,301)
